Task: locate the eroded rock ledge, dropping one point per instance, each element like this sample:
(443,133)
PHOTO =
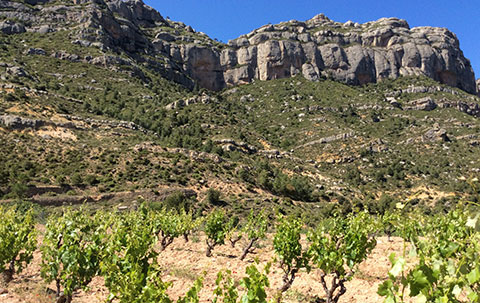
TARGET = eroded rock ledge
(349,52)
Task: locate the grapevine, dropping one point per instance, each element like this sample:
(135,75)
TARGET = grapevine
(17,241)
(288,248)
(215,230)
(71,251)
(255,229)
(338,251)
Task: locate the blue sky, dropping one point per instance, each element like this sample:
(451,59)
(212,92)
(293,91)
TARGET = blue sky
(228,19)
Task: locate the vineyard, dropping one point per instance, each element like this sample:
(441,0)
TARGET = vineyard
(438,259)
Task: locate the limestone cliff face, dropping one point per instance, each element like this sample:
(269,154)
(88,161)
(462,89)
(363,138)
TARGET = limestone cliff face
(317,48)
(351,52)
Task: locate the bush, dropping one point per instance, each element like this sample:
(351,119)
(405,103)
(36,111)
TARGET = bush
(18,190)
(76,179)
(91,180)
(296,187)
(213,196)
(177,200)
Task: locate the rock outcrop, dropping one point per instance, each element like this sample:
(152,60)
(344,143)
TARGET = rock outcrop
(229,145)
(422,89)
(425,103)
(317,48)
(16,122)
(469,108)
(351,53)
(339,137)
(436,134)
(10,27)
(204,99)
(13,122)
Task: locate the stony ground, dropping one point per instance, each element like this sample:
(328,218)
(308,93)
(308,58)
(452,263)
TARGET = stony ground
(184,262)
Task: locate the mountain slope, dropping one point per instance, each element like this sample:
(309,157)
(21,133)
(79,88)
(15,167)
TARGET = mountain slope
(352,53)
(100,119)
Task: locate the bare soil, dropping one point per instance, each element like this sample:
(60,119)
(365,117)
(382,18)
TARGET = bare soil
(184,262)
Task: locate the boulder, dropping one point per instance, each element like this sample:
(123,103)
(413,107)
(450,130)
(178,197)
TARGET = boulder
(10,27)
(165,36)
(436,134)
(35,51)
(425,103)
(16,71)
(16,122)
(44,29)
(66,56)
(229,147)
(309,72)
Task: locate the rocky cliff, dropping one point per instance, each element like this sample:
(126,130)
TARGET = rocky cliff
(350,52)
(317,48)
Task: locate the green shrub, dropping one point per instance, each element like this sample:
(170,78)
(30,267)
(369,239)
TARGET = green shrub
(213,197)
(177,200)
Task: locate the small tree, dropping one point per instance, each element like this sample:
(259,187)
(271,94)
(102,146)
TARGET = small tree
(338,251)
(19,190)
(76,179)
(288,248)
(215,230)
(177,200)
(17,241)
(255,229)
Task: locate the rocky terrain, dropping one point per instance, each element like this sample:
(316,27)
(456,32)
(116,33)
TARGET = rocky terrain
(317,48)
(352,53)
(108,105)
(104,101)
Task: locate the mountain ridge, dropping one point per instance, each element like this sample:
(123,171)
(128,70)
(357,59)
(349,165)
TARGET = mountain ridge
(89,108)
(317,48)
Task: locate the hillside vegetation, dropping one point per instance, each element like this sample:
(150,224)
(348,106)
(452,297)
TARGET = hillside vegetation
(101,129)
(142,161)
